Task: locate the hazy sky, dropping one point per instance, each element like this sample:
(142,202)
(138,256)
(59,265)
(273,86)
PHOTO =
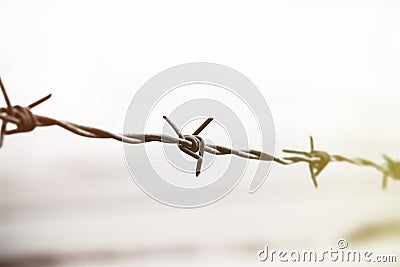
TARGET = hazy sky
(329,68)
(323,67)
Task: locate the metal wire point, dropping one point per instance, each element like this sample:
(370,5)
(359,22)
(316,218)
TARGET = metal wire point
(197,143)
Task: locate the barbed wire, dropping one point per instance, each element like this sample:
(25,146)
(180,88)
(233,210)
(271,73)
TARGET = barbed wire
(25,121)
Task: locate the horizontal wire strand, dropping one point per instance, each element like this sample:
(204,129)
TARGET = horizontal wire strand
(193,144)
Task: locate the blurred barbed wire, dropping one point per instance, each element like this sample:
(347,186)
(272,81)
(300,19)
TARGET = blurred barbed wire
(25,121)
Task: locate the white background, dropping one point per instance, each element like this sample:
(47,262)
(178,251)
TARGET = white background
(326,68)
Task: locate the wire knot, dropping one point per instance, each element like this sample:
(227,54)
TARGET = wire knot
(196,144)
(317,160)
(25,120)
(21,117)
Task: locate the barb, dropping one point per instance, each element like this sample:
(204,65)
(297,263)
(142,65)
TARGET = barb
(318,160)
(193,145)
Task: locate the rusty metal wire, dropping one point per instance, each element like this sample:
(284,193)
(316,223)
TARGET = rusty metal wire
(25,121)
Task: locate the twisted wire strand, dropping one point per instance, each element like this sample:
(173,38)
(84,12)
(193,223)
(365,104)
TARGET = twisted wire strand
(25,121)
(193,145)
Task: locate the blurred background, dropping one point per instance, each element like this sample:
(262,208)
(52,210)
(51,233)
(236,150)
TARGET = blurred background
(326,68)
